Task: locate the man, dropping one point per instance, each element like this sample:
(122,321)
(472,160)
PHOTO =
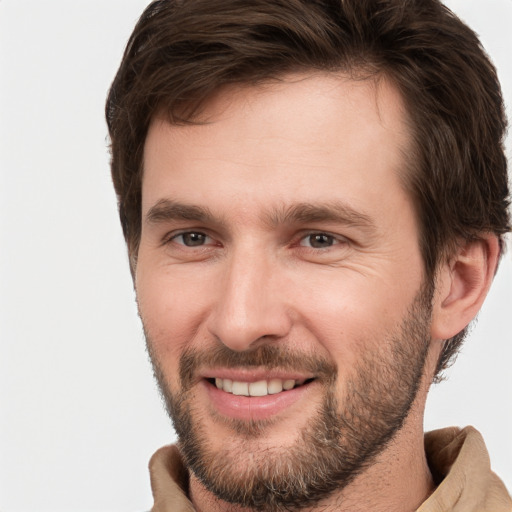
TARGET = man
(314,197)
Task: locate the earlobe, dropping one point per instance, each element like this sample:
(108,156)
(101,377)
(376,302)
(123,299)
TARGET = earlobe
(462,285)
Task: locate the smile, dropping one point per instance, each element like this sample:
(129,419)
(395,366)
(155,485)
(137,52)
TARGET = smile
(258,388)
(239,395)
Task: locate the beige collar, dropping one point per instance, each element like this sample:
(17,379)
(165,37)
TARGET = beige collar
(457,458)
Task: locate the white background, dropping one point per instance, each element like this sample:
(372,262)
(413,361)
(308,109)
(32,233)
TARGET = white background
(79,412)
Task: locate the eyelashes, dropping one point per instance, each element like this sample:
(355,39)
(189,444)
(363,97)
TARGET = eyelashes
(320,240)
(191,239)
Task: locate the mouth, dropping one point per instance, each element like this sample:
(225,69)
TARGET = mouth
(257,388)
(253,396)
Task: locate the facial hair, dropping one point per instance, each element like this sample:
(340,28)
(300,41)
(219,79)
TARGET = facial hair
(336,445)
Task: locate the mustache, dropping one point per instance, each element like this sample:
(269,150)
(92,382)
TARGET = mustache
(269,357)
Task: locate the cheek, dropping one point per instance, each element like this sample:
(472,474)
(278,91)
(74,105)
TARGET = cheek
(351,314)
(171,314)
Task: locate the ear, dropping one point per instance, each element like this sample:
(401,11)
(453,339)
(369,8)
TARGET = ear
(462,284)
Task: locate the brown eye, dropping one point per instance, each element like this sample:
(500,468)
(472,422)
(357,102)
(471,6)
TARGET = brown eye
(318,240)
(191,239)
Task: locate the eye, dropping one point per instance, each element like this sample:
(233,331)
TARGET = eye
(191,239)
(319,241)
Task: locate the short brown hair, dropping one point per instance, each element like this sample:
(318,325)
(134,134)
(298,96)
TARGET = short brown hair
(182,51)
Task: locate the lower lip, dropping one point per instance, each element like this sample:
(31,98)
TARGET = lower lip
(254,407)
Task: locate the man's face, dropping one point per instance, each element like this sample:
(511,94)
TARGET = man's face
(279,259)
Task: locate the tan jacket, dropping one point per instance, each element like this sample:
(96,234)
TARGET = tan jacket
(457,458)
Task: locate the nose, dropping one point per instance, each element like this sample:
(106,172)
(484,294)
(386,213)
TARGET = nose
(251,307)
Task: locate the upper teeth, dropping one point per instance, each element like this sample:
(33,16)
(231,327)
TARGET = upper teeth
(259,388)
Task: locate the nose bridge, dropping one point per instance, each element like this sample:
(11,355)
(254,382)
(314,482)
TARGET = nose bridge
(249,306)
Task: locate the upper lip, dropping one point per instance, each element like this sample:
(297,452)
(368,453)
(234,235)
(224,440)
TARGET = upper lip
(253,374)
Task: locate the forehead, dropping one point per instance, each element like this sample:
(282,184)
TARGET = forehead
(276,142)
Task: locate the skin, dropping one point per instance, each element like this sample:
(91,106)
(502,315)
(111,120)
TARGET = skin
(318,139)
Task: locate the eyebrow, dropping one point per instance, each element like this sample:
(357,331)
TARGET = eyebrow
(333,211)
(166,210)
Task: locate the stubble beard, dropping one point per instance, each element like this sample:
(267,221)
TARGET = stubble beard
(333,448)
